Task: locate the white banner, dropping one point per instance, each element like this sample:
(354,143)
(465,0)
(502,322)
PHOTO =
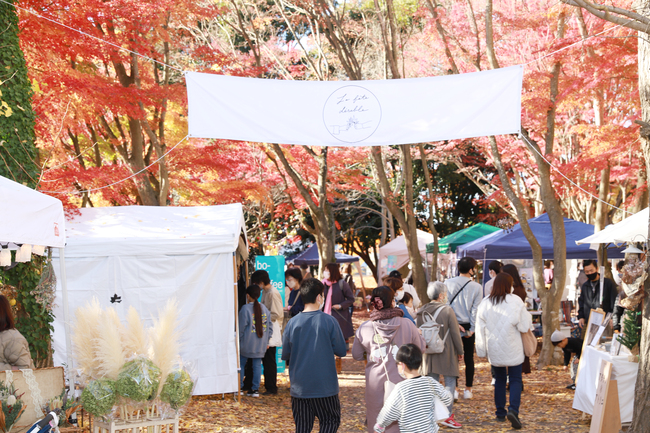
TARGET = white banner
(355,113)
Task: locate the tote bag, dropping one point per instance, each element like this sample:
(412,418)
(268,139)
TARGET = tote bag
(530,343)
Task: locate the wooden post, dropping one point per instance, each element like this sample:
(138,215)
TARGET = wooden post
(606,417)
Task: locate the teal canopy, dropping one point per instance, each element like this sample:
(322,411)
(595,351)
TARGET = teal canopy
(449,243)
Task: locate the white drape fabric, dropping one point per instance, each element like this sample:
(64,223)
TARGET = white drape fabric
(355,113)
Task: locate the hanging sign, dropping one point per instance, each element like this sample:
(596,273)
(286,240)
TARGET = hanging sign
(355,113)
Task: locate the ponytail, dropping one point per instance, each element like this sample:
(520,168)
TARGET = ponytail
(254,292)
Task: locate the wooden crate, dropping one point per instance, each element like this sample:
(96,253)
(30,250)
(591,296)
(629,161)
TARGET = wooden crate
(168,425)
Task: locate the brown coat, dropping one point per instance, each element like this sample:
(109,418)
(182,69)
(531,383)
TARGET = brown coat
(14,351)
(445,363)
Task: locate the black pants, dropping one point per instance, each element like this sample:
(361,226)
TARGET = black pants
(327,409)
(270,372)
(468,348)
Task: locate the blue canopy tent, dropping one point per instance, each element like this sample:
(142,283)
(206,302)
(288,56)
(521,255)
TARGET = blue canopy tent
(512,244)
(310,257)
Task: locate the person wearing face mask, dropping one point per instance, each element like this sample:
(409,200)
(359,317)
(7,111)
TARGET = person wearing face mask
(338,300)
(443,364)
(590,293)
(396,285)
(493,269)
(293,278)
(377,341)
(464,297)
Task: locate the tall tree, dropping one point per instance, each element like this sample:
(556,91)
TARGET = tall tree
(636,17)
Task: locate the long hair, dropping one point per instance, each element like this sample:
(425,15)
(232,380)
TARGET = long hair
(254,292)
(6,316)
(394,283)
(335,272)
(382,298)
(501,287)
(517,285)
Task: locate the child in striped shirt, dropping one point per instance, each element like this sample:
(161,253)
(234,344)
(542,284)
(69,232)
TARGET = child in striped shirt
(412,402)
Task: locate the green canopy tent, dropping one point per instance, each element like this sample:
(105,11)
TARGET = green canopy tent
(449,243)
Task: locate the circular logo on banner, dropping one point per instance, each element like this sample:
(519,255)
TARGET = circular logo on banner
(352,114)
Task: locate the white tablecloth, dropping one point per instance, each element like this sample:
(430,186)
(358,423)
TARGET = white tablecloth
(623,371)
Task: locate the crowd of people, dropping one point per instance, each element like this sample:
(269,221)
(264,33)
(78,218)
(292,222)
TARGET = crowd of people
(412,376)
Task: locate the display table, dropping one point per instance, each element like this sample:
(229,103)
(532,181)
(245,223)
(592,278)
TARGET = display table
(624,372)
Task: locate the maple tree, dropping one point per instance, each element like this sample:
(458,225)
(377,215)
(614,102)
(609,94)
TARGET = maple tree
(636,17)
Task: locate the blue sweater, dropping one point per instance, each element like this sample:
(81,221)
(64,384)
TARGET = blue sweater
(309,344)
(252,346)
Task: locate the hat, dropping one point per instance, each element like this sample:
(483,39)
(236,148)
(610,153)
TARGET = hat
(557,336)
(395,274)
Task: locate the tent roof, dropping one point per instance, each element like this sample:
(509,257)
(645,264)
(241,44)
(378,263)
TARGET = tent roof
(512,244)
(631,229)
(155,230)
(449,243)
(30,217)
(310,257)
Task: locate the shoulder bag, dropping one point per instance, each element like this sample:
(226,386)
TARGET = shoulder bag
(530,343)
(458,292)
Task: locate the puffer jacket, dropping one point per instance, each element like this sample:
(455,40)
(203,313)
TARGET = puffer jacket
(14,351)
(499,329)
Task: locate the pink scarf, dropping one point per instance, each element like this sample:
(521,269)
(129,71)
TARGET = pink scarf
(328,302)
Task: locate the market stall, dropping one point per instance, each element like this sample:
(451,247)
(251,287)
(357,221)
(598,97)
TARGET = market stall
(512,244)
(624,372)
(396,249)
(142,256)
(631,229)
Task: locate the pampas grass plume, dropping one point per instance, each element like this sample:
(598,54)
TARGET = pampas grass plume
(165,340)
(135,337)
(108,345)
(85,330)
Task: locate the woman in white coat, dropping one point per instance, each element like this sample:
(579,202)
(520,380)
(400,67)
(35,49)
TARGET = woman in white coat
(502,317)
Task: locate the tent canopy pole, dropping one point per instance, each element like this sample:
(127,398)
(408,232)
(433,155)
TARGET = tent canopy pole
(66,322)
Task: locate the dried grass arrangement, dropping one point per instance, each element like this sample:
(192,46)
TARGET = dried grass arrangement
(128,363)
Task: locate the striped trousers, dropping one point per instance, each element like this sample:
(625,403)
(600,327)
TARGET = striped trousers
(327,409)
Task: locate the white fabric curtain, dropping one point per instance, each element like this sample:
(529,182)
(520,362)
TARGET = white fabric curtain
(355,113)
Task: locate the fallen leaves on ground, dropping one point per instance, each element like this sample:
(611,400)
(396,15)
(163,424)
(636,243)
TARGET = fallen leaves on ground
(546,405)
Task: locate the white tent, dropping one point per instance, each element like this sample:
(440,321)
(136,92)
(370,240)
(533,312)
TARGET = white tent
(29,217)
(397,248)
(631,229)
(142,256)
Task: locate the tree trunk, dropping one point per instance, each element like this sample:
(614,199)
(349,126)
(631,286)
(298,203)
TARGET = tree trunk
(322,213)
(641,416)
(433,274)
(406,218)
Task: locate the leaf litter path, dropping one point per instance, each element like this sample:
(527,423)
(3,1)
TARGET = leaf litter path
(545,405)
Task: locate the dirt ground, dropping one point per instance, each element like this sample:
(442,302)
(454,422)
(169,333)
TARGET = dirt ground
(545,406)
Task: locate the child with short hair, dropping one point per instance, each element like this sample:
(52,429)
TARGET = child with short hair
(412,402)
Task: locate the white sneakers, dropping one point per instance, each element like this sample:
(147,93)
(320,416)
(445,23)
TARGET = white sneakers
(455,395)
(467,394)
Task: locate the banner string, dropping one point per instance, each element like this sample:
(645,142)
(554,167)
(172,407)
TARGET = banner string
(523,138)
(569,46)
(123,180)
(90,36)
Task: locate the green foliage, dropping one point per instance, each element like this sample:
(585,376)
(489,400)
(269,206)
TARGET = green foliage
(17,118)
(177,389)
(98,397)
(631,332)
(17,162)
(138,380)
